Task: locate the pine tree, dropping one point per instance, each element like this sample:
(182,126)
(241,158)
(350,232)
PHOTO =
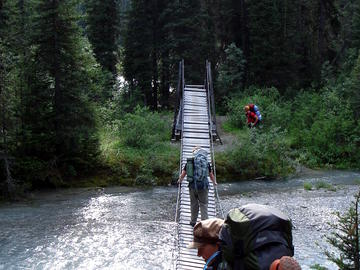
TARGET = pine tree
(345,238)
(138,48)
(231,72)
(192,39)
(103,32)
(60,118)
(8,98)
(273,59)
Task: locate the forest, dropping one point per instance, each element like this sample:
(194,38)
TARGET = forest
(87,87)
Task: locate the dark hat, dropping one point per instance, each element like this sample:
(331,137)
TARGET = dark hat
(206,232)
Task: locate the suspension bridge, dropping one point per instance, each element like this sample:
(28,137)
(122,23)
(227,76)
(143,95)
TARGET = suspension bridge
(195,125)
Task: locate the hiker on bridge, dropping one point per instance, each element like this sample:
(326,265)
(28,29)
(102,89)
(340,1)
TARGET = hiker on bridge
(253,115)
(197,170)
(251,237)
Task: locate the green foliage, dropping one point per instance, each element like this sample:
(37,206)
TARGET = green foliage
(308,186)
(137,147)
(257,154)
(323,128)
(58,123)
(324,185)
(103,15)
(231,72)
(274,111)
(318,267)
(345,238)
(191,38)
(143,128)
(320,126)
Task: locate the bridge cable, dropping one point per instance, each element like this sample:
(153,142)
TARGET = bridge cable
(208,78)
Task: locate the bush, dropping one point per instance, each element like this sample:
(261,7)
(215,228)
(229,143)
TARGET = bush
(345,238)
(274,111)
(137,148)
(259,154)
(142,128)
(323,129)
(307,186)
(231,72)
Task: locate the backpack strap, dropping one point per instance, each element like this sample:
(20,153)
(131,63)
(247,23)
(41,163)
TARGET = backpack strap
(212,257)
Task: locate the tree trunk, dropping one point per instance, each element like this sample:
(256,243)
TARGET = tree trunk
(155,84)
(164,84)
(321,33)
(57,78)
(244,37)
(9,179)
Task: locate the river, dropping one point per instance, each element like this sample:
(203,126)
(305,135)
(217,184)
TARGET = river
(128,228)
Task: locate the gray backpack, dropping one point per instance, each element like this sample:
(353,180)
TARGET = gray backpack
(197,170)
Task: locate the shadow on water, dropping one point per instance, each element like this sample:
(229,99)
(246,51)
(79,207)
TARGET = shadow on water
(128,228)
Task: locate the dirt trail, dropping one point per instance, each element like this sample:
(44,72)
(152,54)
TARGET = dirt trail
(227,139)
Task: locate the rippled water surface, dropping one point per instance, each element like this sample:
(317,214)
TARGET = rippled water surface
(122,228)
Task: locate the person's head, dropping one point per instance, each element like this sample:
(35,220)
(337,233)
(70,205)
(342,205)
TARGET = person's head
(246,108)
(206,237)
(196,149)
(285,263)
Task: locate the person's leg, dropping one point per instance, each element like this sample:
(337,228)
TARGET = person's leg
(203,201)
(194,205)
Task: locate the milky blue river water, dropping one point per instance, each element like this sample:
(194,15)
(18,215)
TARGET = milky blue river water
(126,228)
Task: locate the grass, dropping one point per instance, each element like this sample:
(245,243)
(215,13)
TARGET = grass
(318,267)
(324,185)
(151,162)
(307,186)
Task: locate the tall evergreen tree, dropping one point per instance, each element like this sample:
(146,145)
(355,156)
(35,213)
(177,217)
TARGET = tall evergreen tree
(138,48)
(8,59)
(103,32)
(273,57)
(192,38)
(102,29)
(59,114)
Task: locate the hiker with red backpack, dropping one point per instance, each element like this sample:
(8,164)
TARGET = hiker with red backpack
(252,237)
(197,170)
(253,115)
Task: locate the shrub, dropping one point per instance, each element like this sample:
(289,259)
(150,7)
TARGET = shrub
(261,154)
(137,148)
(324,130)
(142,128)
(345,238)
(274,111)
(307,186)
(231,72)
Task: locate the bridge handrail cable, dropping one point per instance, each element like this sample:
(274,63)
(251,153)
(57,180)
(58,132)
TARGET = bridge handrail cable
(208,87)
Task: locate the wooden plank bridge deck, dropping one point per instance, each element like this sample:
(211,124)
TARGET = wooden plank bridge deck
(195,133)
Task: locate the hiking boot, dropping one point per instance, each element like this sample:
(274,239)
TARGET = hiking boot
(285,263)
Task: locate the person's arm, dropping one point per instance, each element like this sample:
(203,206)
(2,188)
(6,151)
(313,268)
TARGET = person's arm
(181,177)
(248,118)
(212,177)
(256,120)
(211,174)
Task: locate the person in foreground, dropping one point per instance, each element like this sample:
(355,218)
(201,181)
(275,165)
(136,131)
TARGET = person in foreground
(252,237)
(197,170)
